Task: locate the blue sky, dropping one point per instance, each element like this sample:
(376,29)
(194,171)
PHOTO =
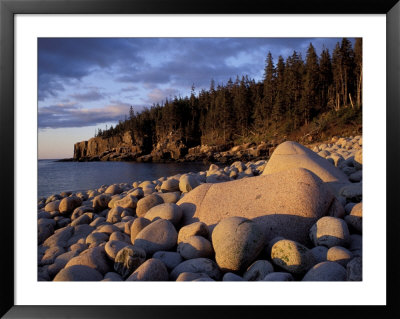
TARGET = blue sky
(88,83)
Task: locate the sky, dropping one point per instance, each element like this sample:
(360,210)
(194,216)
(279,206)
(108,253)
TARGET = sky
(90,83)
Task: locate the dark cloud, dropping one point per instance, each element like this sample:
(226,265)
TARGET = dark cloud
(61,59)
(72,115)
(92,95)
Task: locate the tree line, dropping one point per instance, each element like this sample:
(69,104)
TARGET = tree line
(292,93)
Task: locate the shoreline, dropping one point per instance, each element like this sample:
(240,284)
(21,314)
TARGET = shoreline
(100,223)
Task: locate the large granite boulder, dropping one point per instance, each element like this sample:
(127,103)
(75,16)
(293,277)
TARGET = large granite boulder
(285,204)
(291,155)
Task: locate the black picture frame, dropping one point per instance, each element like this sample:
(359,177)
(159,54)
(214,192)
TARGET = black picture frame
(8,8)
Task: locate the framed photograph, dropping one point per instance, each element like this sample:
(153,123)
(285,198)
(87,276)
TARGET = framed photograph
(120,67)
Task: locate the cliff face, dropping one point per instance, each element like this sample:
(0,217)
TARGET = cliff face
(117,147)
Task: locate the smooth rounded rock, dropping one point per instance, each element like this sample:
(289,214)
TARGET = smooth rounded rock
(278,276)
(68,204)
(258,270)
(170,185)
(113,189)
(292,256)
(52,206)
(354,219)
(170,259)
(159,235)
(95,258)
(194,229)
(151,270)
(100,202)
(128,259)
(195,247)
(198,265)
(113,247)
(285,204)
(237,241)
(112,276)
(78,273)
(354,269)
(170,197)
(137,226)
(95,239)
(114,215)
(319,253)
(326,271)
(230,276)
(187,182)
(167,211)
(190,276)
(144,204)
(120,236)
(330,231)
(294,155)
(340,255)
(129,201)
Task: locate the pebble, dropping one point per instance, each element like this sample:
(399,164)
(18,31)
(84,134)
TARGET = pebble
(330,231)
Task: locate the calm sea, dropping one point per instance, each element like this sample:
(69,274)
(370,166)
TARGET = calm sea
(55,177)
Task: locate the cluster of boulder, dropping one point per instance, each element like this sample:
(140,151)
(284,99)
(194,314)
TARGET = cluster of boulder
(295,217)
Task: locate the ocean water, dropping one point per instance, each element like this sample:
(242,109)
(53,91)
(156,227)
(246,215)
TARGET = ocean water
(55,177)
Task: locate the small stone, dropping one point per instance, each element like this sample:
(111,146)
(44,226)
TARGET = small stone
(151,270)
(137,226)
(353,192)
(100,202)
(195,247)
(237,241)
(190,276)
(354,220)
(356,244)
(292,256)
(79,211)
(113,247)
(171,197)
(194,229)
(326,271)
(128,259)
(198,265)
(113,189)
(120,236)
(279,276)
(52,206)
(144,204)
(340,255)
(230,276)
(170,259)
(129,201)
(112,276)
(68,204)
(354,269)
(170,185)
(188,182)
(258,270)
(114,215)
(319,253)
(159,235)
(84,219)
(107,228)
(78,273)
(95,258)
(95,239)
(330,231)
(167,211)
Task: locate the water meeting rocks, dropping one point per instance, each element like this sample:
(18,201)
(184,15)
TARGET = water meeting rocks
(285,204)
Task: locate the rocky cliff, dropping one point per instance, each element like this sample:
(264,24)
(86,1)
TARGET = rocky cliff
(119,147)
